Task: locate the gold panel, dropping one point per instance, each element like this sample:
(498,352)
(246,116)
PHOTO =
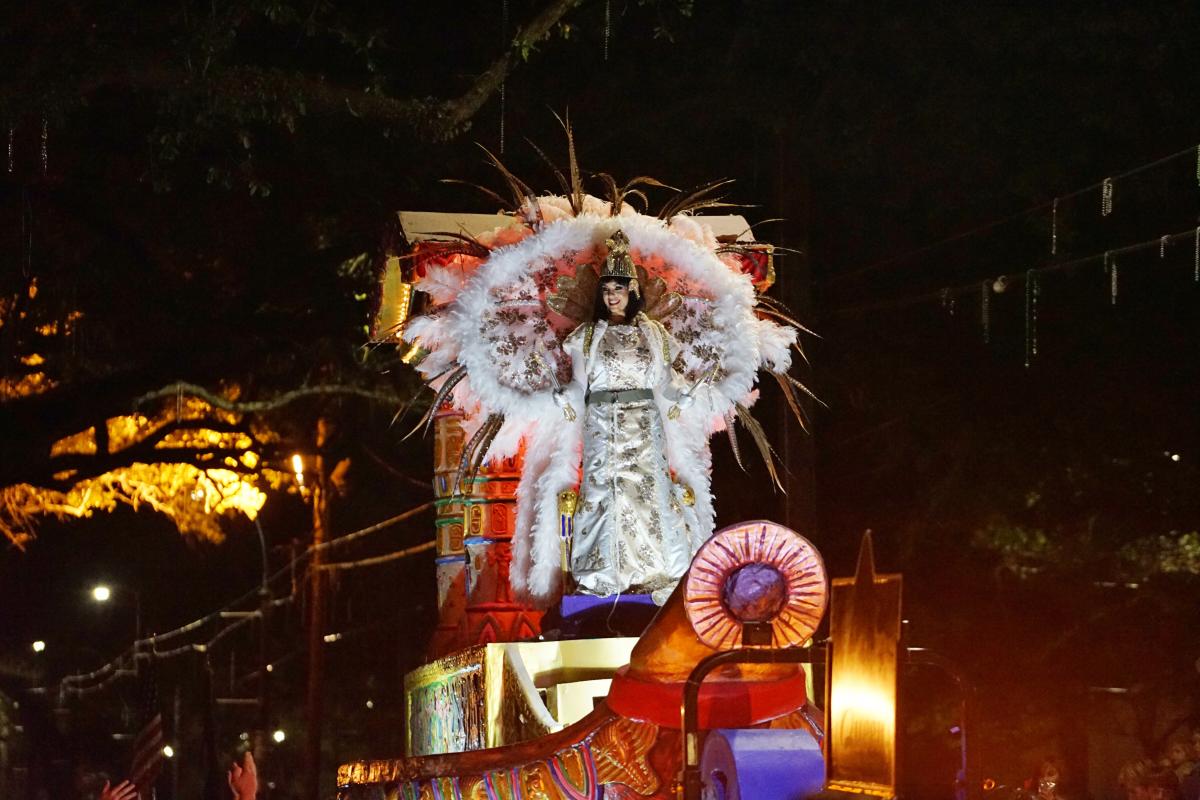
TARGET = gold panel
(490,695)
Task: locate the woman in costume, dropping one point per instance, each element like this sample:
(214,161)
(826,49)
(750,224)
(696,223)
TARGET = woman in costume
(521,333)
(631,532)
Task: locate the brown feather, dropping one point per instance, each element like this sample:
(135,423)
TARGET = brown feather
(760,440)
(793,403)
(520,191)
(558,175)
(474,246)
(770,312)
(493,424)
(682,200)
(615,196)
(576,193)
(636,193)
(804,389)
(731,430)
(646,180)
(452,380)
(760,222)
(700,205)
(465,457)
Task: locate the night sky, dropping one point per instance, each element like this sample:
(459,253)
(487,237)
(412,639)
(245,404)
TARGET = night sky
(915,152)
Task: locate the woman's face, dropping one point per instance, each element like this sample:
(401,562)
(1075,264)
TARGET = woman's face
(616,297)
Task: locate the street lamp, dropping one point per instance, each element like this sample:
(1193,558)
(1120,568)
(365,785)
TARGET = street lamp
(39,646)
(103,593)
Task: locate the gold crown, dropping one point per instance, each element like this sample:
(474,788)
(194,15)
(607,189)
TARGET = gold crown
(618,263)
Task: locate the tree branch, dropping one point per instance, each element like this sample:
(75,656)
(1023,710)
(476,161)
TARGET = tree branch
(431,118)
(260,406)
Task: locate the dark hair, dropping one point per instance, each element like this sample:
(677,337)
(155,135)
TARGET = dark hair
(600,311)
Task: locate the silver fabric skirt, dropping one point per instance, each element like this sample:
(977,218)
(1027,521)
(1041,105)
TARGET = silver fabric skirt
(630,532)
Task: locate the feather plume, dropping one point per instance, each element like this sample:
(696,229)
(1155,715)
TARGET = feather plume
(493,424)
(700,205)
(636,193)
(805,389)
(576,193)
(793,403)
(451,381)
(760,439)
(755,225)
(474,246)
(442,284)
(646,180)
(558,175)
(772,313)
(731,431)
(682,201)
(615,196)
(475,449)
(520,190)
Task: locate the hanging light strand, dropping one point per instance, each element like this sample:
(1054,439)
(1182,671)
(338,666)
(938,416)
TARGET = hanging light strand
(1060,266)
(985,310)
(503,83)
(45,146)
(1106,186)
(608,35)
(1054,228)
(1032,291)
(1196,257)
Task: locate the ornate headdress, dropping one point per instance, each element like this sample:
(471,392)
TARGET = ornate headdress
(618,263)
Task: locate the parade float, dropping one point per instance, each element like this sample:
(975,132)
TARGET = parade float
(572,471)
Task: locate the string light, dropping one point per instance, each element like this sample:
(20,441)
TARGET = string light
(1162,246)
(1196,257)
(12,133)
(504,82)
(985,310)
(608,33)
(1054,228)
(1031,309)
(1114,285)
(1190,152)
(126,664)
(1106,197)
(45,146)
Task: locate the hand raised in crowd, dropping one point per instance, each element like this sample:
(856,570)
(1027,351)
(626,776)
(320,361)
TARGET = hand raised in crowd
(243,778)
(122,791)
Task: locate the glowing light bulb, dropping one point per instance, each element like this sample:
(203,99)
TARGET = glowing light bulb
(101,593)
(279,736)
(168,751)
(39,646)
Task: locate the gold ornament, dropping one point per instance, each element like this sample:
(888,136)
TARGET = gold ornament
(618,263)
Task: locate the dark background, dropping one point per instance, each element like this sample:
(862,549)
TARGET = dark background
(1022,504)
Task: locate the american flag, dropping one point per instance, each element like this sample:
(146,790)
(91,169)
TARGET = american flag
(147,757)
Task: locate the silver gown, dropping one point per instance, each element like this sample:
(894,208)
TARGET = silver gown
(631,534)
